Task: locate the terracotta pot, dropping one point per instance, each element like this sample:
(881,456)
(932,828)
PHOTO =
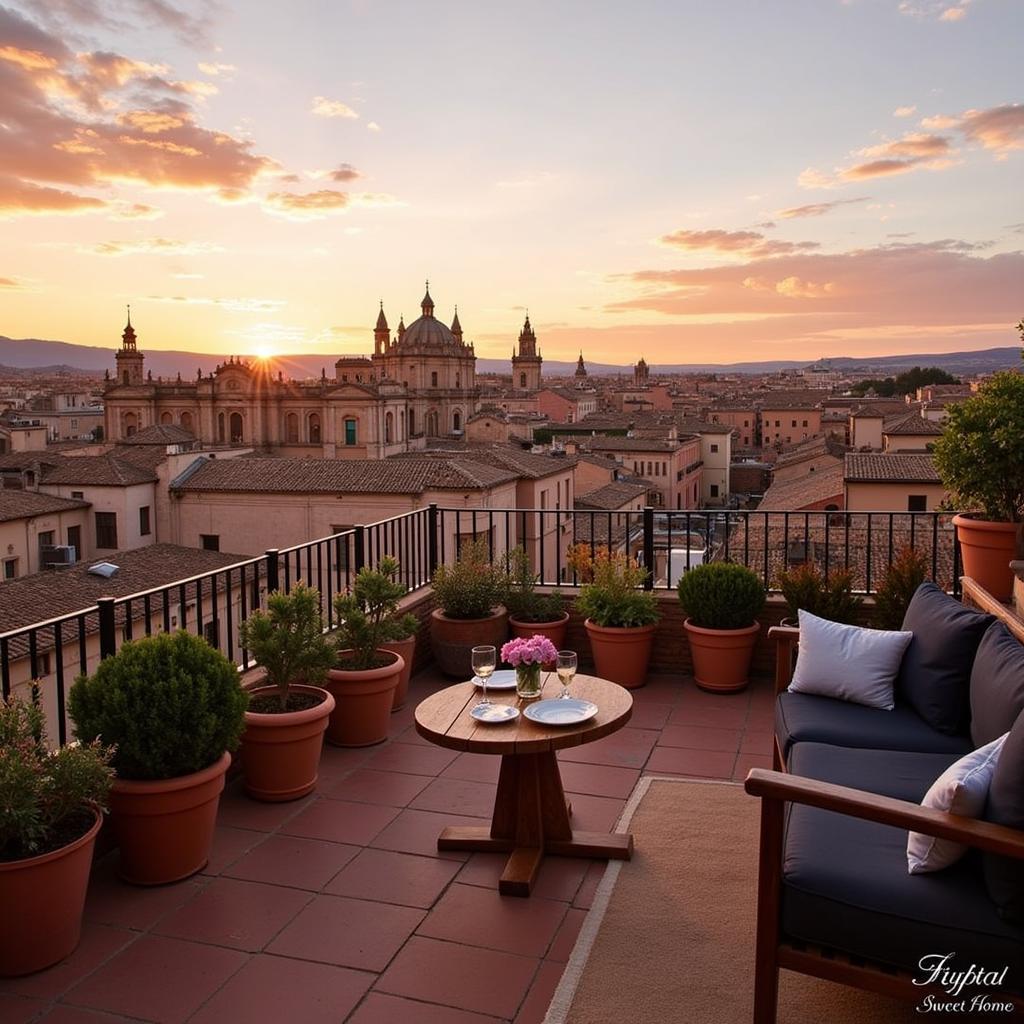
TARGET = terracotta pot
(454,639)
(42,899)
(721,657)
(164,827)
(406,650)
(281,752)
(621,654)
(986,550)
(555,630)
(362,713)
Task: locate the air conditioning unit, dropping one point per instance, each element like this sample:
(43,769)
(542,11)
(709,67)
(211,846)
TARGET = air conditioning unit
(57,555)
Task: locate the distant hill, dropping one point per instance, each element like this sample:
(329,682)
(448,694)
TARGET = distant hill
(64,357)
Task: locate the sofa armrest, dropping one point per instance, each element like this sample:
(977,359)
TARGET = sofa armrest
(779,786)
(786,639)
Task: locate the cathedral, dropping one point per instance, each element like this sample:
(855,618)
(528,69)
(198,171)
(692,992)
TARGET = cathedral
(418,384)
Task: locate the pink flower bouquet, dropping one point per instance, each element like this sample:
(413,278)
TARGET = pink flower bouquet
(534,650)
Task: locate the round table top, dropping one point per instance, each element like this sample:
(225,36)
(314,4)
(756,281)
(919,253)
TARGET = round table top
(444,718)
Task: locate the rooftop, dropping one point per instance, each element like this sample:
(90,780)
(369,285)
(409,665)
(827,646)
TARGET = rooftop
(872,467)
(611,496)
(810,489)
(16,504)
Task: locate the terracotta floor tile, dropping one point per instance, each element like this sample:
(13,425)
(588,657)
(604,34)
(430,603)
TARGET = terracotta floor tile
(289,860)
(700,737)
(456,796)
(598,779)
(410,735)
(659,690)
(482,980)
(158,979)
(389,877)
(228,845)
(708,764)
(718,716)
(588,887)
(559,877)
(649,715)
(62,1014)
(627,748)
(474,768)
(18,1009)
(417,831)
(407,757)
(565,938)
(757,742)
(347,932)
(538,999)
(336,762)
(111,901)
(241,811)
(340,821)
(378,1008)
(393,789)
(473,916)
(229,912)
(747,761)
(595,813)
(272,988)
(98,943)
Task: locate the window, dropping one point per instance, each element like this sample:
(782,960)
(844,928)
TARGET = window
(746,423)
(433,378)
(75,540)
(350,431)
(777,423)
(314,428)
(10,568)
(389,427)
(45,541)
(209,541)
(794,423)
(74,424)
(80,495)
(714,449)
(917,503)
(456,421)
(291,428)
(805,423)
(211,632)
(522,380)
(106,529)
(714,490)
(220,428)
(236,427)
(543,499)
(144,521)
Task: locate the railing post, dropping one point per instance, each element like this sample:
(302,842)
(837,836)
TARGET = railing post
(431,539)
(273,581)
(359,548)
(649,546)
(108,631)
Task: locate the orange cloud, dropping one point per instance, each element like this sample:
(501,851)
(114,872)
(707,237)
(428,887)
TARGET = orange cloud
(999,129)
(817,209)
(308,205)
(137,211)
(747,243)
(344,172)
(23,197)
(906,111)
(150,247)
(323,107)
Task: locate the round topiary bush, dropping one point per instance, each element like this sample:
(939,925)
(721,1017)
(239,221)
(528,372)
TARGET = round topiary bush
(170,703)
(721,595)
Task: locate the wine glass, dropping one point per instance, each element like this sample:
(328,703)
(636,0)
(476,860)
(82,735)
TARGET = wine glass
(566,668)
(485,660)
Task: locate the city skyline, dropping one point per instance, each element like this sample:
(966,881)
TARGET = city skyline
(688,183)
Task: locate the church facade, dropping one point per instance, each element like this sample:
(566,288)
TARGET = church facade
(419,383)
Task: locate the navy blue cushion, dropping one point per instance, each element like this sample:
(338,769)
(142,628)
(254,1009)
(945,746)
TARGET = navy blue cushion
(935,675)
(1004,876)
(997,684)
(802,717)
(846,884)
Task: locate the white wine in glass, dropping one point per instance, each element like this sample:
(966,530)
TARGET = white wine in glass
(566,668)
(485,660)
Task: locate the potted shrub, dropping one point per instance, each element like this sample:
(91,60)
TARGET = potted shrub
(470,611)
(722,601)
(530,612)
(51,805)
(173,708)
(909,569)
(828,597)
(286,718)
(365,674)
(980,458)
(619,616)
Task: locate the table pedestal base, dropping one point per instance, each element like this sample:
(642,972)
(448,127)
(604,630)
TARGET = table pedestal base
(530,821)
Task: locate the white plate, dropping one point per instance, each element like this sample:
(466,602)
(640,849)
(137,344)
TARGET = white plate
(493,714)
(570,711)
(504,679)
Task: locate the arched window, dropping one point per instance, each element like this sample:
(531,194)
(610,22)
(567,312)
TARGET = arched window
(131,424)
(291,428)
(401,425)
(433,378)
(125,376)
(389,427)
(412,421)
(314,428)
(186,421)
(522,380)
(456,421)
(235,424)
(220,428)
(458,379)
(166,417)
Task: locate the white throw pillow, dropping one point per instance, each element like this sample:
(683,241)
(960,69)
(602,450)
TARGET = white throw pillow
(961,789)
(848,662)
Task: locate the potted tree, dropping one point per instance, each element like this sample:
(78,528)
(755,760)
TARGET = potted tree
(531,612)
(365,674)
(51,805)
(828,597)
(619,616)
(286,718)
(173,708)
(980,458)
(469,593)
(722,601)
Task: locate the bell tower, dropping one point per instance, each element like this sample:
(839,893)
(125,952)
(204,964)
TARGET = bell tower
(128,358)
(381,333)
(527,362)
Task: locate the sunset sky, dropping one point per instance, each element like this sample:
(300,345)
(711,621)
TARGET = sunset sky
(696,181)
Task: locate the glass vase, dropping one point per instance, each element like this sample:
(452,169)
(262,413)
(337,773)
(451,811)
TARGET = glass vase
(528,681)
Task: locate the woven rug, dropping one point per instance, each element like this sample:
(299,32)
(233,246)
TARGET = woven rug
(671,935)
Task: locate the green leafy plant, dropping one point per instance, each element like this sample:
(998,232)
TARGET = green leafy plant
(368,616)
(980,454)
(612,596)
(524,601)
(721,595)
(287,640)
(471,586)
(909,569)
(829,598)
(45,796)
(170,703)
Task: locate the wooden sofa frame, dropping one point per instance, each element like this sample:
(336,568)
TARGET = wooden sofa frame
(776,788)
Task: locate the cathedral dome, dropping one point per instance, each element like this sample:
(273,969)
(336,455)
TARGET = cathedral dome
(427,333)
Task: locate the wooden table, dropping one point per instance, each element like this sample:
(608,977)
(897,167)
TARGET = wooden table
(531,813)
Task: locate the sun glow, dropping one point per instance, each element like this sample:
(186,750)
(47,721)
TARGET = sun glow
(264,351)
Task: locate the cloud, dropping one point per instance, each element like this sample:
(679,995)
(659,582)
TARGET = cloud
(817,209)
(64,15)
(307,205)
(953,14)
(150,247)
(323,107)
(11,284)
(372,126)
(343,173)
(236,305)
(998,129)
(937,10)
(811,177)
(23,197)
(904,111)
(215,69)
(747,243)
(137,211)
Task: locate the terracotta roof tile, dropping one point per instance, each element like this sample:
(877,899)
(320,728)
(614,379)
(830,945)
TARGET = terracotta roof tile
(99,470)
(869,467)
(16,504)
(611,496)
(792,495)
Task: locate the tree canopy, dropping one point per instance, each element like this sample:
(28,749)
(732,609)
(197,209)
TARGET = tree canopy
(904,383)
